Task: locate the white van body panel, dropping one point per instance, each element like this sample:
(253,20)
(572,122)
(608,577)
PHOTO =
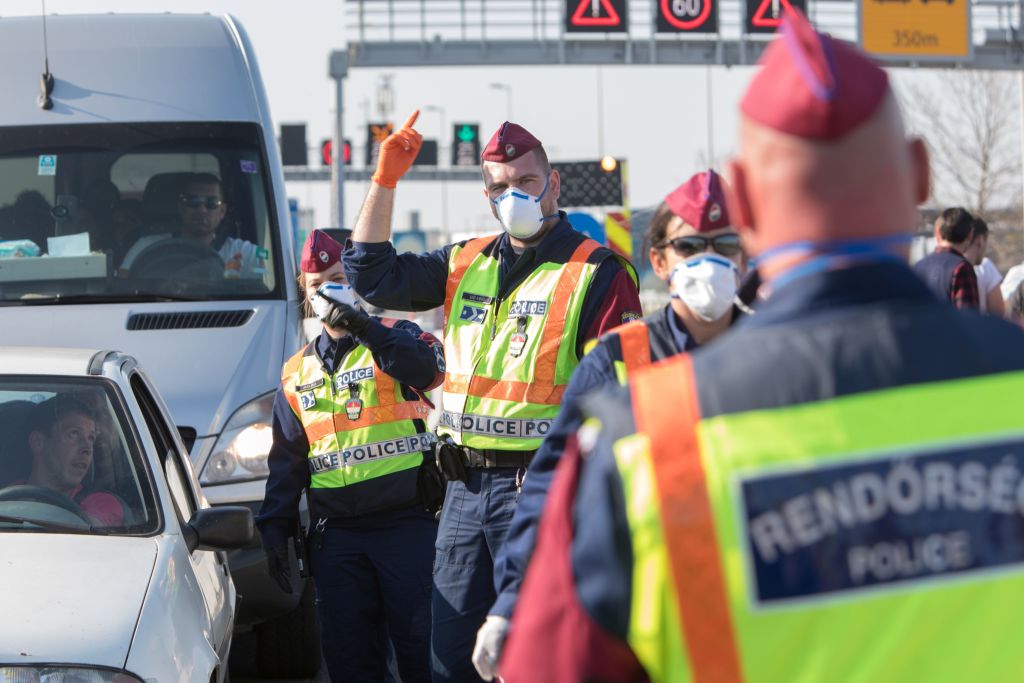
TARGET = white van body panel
(111,68)
(204,374)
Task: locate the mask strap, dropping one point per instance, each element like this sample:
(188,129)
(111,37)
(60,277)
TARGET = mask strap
(545,190)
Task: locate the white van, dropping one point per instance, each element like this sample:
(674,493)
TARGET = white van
(143,209)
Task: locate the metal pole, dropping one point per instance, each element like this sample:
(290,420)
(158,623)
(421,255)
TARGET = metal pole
(1020,116)
(711,121)
(600,114)
(338,155)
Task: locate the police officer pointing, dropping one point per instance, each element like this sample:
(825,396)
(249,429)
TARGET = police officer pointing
(794,502)
(349,428)
(519,307)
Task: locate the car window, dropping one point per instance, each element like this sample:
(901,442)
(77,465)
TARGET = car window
(140,212)
(69,461)
(177,480)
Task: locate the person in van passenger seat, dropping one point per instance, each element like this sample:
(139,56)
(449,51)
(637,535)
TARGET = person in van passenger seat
(62,431)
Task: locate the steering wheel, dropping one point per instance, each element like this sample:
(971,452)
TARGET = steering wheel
(41,494)
(178,258)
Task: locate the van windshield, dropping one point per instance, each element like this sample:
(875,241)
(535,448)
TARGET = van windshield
(136,212)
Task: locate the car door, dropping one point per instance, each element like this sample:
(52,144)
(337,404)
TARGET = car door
(210,567)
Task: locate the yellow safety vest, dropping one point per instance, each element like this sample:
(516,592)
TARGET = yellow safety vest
(862,538)
(364,443)
(509,361)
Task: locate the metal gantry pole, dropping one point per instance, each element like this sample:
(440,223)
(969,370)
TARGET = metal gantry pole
(338,71)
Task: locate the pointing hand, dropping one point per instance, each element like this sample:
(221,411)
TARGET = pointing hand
(397,153)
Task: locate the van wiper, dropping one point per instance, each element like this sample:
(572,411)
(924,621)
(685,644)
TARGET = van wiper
(54,526)
(125,298)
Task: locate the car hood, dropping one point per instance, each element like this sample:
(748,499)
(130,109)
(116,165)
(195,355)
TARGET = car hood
(72,599)
(203,374)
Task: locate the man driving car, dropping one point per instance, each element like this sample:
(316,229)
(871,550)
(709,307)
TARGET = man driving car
(62,432)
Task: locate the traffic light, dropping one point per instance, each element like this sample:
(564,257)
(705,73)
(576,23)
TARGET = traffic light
(590,183)
(293,145)
(427,155)
(325,152)
(466,144)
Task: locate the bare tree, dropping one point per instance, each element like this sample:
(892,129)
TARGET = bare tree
(971,122)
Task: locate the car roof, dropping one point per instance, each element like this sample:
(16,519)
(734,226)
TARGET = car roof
(38,360)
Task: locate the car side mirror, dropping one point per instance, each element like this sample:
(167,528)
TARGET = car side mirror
(225,527)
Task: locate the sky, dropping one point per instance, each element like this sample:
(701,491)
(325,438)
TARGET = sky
(655,116)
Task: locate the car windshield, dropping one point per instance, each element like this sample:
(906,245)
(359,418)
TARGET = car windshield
(135,212)
(69,462)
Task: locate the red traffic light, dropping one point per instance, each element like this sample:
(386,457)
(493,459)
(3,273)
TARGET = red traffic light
(325,152)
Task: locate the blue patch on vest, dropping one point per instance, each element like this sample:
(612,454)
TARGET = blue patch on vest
(307,400)
(472,314)
(935,514)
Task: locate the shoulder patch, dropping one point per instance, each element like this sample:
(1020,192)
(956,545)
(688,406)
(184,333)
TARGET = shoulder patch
(630,316)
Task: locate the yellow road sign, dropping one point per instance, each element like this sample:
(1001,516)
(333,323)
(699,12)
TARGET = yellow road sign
(922,29)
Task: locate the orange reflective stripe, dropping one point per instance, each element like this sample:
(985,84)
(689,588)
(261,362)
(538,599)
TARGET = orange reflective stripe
(506,390)
(554,327)
(636,345)
(410,410)
(665,398)
(469,251)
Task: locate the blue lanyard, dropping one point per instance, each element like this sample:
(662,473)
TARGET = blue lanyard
(834,254)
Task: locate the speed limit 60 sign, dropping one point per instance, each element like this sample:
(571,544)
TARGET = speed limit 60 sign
(687,16)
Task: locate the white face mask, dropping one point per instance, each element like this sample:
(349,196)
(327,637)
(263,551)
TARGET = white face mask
(706,283)
(520,213)
(331,291)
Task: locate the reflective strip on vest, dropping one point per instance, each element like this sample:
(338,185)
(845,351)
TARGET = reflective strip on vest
(857,538)
(509,361)
(354,436)
(635,343)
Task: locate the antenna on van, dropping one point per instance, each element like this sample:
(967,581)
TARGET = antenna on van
(46,80)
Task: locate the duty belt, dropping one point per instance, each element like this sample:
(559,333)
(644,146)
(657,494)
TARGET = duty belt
(489,458)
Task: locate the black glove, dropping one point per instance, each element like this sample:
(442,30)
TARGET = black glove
(278,567)
(343,316)
(430,486)
(452,462)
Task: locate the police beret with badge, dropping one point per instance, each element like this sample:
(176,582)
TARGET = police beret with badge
(320,252)
(700,201)
(508,143)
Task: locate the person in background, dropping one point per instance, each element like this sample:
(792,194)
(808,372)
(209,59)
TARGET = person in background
(349,428)
(947,271)
(697,252)
(990,297)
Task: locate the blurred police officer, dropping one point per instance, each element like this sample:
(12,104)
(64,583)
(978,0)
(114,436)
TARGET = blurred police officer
(792,503)
(519,307)
(349,429)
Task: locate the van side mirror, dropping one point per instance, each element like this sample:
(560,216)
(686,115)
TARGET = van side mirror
(225,527)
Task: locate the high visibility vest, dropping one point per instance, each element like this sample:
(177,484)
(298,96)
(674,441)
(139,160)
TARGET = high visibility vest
(636,349)
(509,360)
(862,538)
(364,441)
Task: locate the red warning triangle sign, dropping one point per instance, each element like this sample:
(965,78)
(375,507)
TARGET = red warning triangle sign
(770,12)
(589,12)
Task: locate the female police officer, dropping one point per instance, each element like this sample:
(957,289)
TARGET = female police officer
(349,428)
(696,250)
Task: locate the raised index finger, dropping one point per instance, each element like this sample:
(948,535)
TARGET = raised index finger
(412,119)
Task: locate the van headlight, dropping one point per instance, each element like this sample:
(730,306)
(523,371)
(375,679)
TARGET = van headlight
(240,453)
(63,674)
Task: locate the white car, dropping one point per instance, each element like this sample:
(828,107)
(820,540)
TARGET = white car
(111,560)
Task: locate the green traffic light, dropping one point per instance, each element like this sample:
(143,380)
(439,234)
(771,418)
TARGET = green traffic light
(466,133)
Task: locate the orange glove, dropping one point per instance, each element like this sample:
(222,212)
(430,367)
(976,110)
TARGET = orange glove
(397,153)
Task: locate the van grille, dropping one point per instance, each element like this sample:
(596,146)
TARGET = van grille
(189,320)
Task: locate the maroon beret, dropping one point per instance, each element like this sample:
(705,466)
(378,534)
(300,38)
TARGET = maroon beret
(812,86)
(700,201)
(320,252)
(509,142)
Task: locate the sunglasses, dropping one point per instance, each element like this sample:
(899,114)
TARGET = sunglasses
(194,201)
(726,245)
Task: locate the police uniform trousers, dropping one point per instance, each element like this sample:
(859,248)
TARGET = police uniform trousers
(373,582)
(474,522)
